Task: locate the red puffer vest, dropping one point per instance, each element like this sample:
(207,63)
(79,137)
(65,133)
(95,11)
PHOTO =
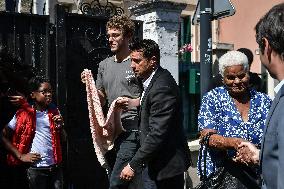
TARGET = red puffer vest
(25,132)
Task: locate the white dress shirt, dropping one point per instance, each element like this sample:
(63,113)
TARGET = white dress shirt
(278,87)
(146,84)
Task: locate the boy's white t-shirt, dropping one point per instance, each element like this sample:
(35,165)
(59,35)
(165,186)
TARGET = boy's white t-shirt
(42,142)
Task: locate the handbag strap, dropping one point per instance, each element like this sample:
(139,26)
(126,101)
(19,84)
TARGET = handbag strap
(205,144)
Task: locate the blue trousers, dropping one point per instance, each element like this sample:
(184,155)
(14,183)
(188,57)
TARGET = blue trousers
(126,146)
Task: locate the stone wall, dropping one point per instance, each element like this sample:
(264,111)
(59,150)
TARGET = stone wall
(161,24)
(25,5)
(2,5)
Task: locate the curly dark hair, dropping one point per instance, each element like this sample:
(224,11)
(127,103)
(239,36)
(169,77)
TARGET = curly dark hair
(271,27)
(123,23)
(36,81)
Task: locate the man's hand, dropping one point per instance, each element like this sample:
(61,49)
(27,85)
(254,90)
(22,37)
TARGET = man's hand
(58,120)
(17,100)
(122,103)
(83,77)
(126,103)
(247,153)
(127,173)
(29,157)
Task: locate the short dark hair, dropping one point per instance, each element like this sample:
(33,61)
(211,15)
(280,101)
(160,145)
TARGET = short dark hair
(271,27)
(248,53)
(149,48)
(123,23)
(35,82)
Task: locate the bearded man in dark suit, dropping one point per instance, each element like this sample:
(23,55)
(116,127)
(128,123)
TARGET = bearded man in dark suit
(163,150)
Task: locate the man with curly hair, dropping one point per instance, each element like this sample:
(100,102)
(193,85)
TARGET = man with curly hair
(115,79)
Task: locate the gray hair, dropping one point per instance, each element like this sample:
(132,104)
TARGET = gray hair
(233,58)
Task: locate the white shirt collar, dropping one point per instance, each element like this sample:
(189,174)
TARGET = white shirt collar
(278,87)
(146,84)
(148,80)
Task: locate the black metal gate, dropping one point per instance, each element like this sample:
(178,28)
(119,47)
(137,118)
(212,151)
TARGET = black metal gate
(61,52)
(27,37)
(81,43)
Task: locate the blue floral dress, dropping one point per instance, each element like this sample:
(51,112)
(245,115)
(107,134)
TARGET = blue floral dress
(219,112)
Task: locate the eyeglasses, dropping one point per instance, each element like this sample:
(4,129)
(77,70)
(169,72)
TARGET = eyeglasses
(256,51)
(45,91)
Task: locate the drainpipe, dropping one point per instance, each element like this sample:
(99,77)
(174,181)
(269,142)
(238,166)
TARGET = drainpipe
(39,7)
(205,46)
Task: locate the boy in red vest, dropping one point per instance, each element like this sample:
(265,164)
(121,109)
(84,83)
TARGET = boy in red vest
(32,138)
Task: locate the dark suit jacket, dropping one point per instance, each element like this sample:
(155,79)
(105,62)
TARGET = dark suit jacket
(272,151)
(163,145)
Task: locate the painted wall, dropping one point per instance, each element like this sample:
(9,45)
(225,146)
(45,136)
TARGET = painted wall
(239,29)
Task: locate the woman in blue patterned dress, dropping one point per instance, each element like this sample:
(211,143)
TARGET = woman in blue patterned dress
(234,113)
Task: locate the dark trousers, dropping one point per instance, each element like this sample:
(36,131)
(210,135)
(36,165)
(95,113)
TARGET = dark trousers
(45,178)
(146,181)
(126,146)
(176,182)
(16,177)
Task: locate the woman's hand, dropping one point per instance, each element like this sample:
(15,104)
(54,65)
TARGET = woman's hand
(221,142)
(204,132)
(235,142)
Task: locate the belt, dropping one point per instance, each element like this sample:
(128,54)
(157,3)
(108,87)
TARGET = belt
(129,135)
(132,130)
(129,124)
(50,168)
